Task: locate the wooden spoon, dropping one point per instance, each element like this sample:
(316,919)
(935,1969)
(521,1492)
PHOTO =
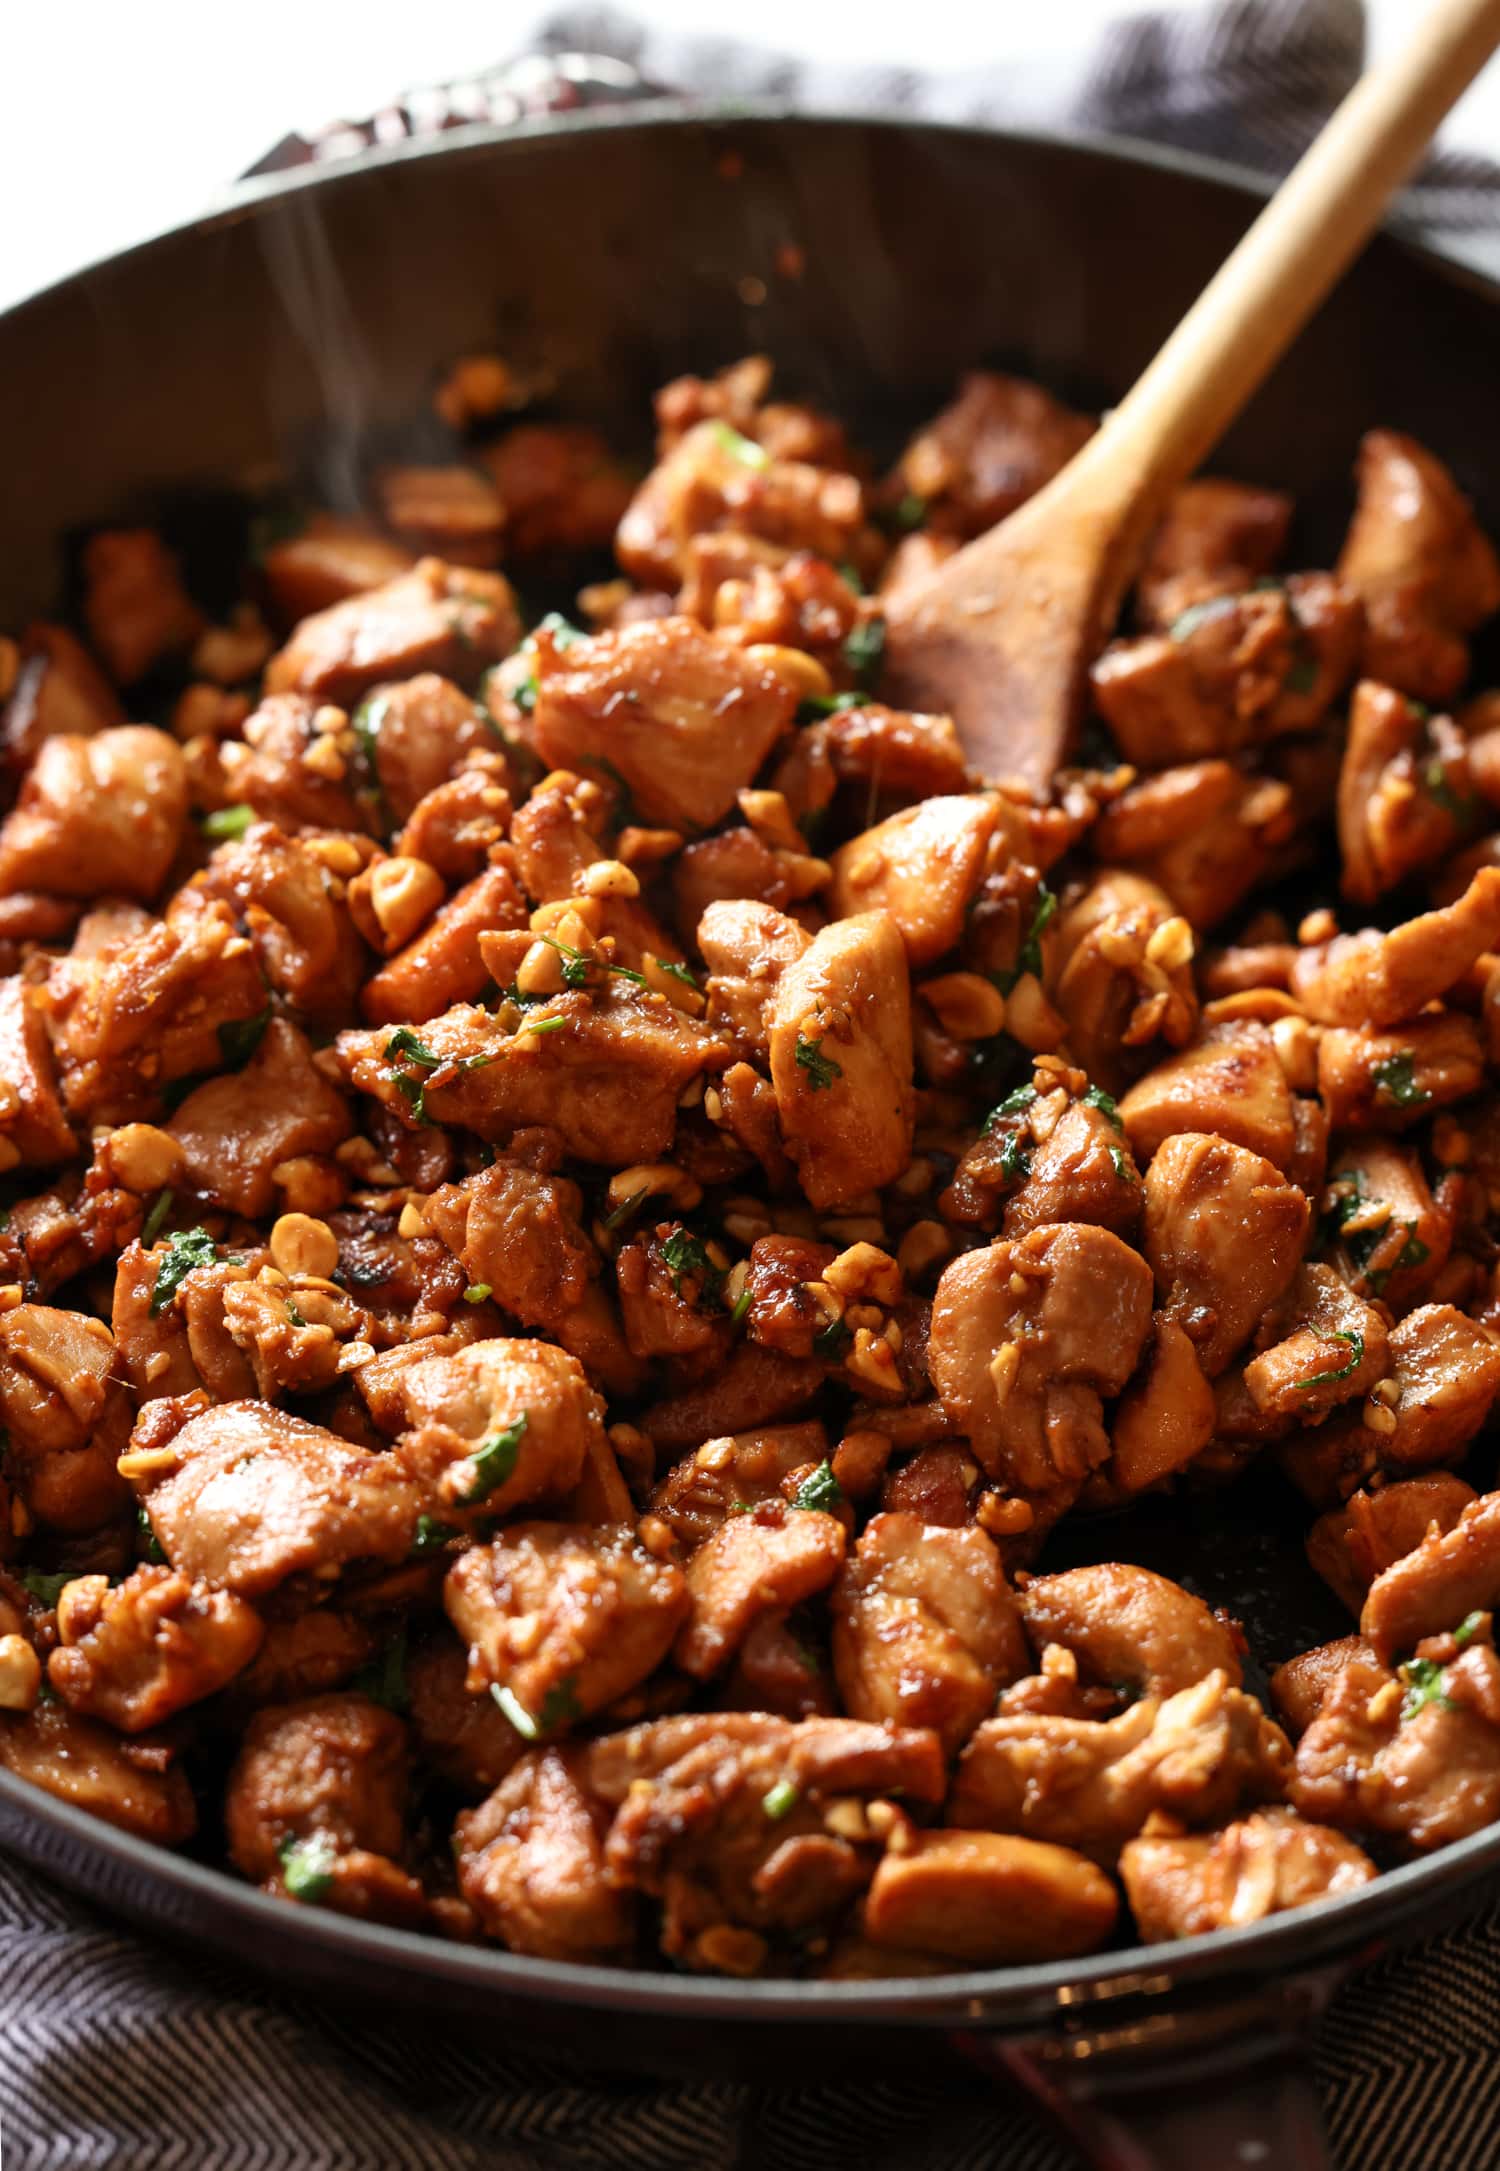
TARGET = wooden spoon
(1002,637)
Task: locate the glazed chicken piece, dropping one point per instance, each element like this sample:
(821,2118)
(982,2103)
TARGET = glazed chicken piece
(1389,1081)
(236,1130)
(560,1621)
(1129,1629)
(326,562)
(1299,1686)
(497,1424)
(65,1417)
(1259,1866)
(453,511)
(841,1059)
(444,964)
(754,1564)
(1223,1234)
(893,750)
(58,689)
(1021,1372)
(417,734)
(531,1863)
(1079,1169)
(1375,979)
(34,1131)
(692,1826)
(1353,1544)
(716,1484)
(1229,1084)
(1205,834)
(288,893)
(134,604)
(1092,1784)
(307,1656)
(316,1807)
(1449,1574)
(748,949)
(1319,1346)
(97,814)
(300,764)
(989,1899)
(172,1340)
(1124,976)
(465,1738)
(925,1628)
(252,1497)
(452,827)
(1402,791)
(923,867)
(1393,1239)
(1167,1415)
(1417,558)
(138,1652)
(988,451)
(561,487)
(453,620)
(135,1785)
(1216,538)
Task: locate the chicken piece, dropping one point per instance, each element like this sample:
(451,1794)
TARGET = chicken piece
(1080,1170)
(684,719)
(923,867)
(1223,1234)
(453,511)
(562,488)
(671,1300)
(925,1628)
(292,905)
(1414,1755)
(453,826)
(1021,1371)
(1393,1240)
(444,965)
(1389,1081)
(893,750)
(989,1899)
(841,1059)
(988,451)
(734,865)
(753,1564)
(1259,1866)
(737,395)
(748,948)
(715,478)
(1230,672)
(170,1326)
(1129,1629)
(316,1807)
(299,763)
(561,1621)
(1400,800)
(417,734)
(34,1130)
(753,1389)
(137,1019)
(1375,979)
(720,1481)
(559,833)
(131,1784)
(65,1418)
(1426,573)
(1216,537)
(256,1497)
(1092,1784)
(134,604)
(1299,1686)
(58,689)
(454,620)
(1446,1369)
(1166,1416)
(464,1738)
(294,1333)
(1351,1545)
(150,1646)
(721,1816)
(1206,833)
(1450,1573)
(531,1863)
(307,1656)
(1320,1346)
(236,1130)
(608,1079)
(497,1424)
(1123,975)
(325,563)
(97,814)
(1229,1084)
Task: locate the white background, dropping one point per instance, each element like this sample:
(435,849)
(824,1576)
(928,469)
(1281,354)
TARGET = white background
(121,116)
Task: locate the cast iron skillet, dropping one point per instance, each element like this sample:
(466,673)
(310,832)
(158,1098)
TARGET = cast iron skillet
(302,323)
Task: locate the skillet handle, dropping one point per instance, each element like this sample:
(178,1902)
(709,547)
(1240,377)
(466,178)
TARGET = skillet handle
(1212,2085)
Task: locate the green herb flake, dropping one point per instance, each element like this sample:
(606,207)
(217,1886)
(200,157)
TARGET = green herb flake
(1302,672)
(910,512)
(1029,956)
(1442,794)
(150,1544)
(1468,1628)
(816,705)
(821,1069)
(384,1679)
(779,1801)
(831,1341)
(1396,1082)
(365,723)
(741,1308)
(187,1249)
(227,822)
(864,650)
(405,1046)
(307,1867)
(46,1589)
(1186,625)
(1422,1678)
(1014,1104)
(431,1536)
(161,1206)
(820,1494)
(1122,1164)
(478,1292)
(520,1718)
(550,1024)
(743,449)
(294,1312)
(495,1461)
(560,1705)
(1356,1347)
(240,1037)
(684,973)
(1096,1097)
(1015,1157)
(683,1253)
(621,1214)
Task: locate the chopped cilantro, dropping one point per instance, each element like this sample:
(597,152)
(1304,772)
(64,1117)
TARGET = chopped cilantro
(1186,625)
(552,1023)
(240,1037)
(864,650)
(1468,1628)
(307,1867)
(743,449)
(1096,1097)
(780,1800)
(366,722)
(1356,1345)
(1014,1104)
(477,1292)
(560,1705)
(1422,1678)
(187,1249)
(821,1069)
(150,1544)
(832,1340)
(46,1589)
(684,973)
(1029,956)
(625,1209)
(430,1535)
(909,513)
(815,705)
(495,1461)
(294,1313)
(1122,1164)
(1015,1158)
(850,575)
(384,1679)
(161,1206)
(576,964)
(741,1307)
(228,821)
(1302,671)
(1396,1082)
(405,1044)
(683,1253)
(1439,790)
(821,1493)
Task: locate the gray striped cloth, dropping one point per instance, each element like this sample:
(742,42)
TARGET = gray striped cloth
(116,2054)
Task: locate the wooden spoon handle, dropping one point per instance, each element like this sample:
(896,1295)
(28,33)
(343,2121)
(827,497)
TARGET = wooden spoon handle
(1311,230)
